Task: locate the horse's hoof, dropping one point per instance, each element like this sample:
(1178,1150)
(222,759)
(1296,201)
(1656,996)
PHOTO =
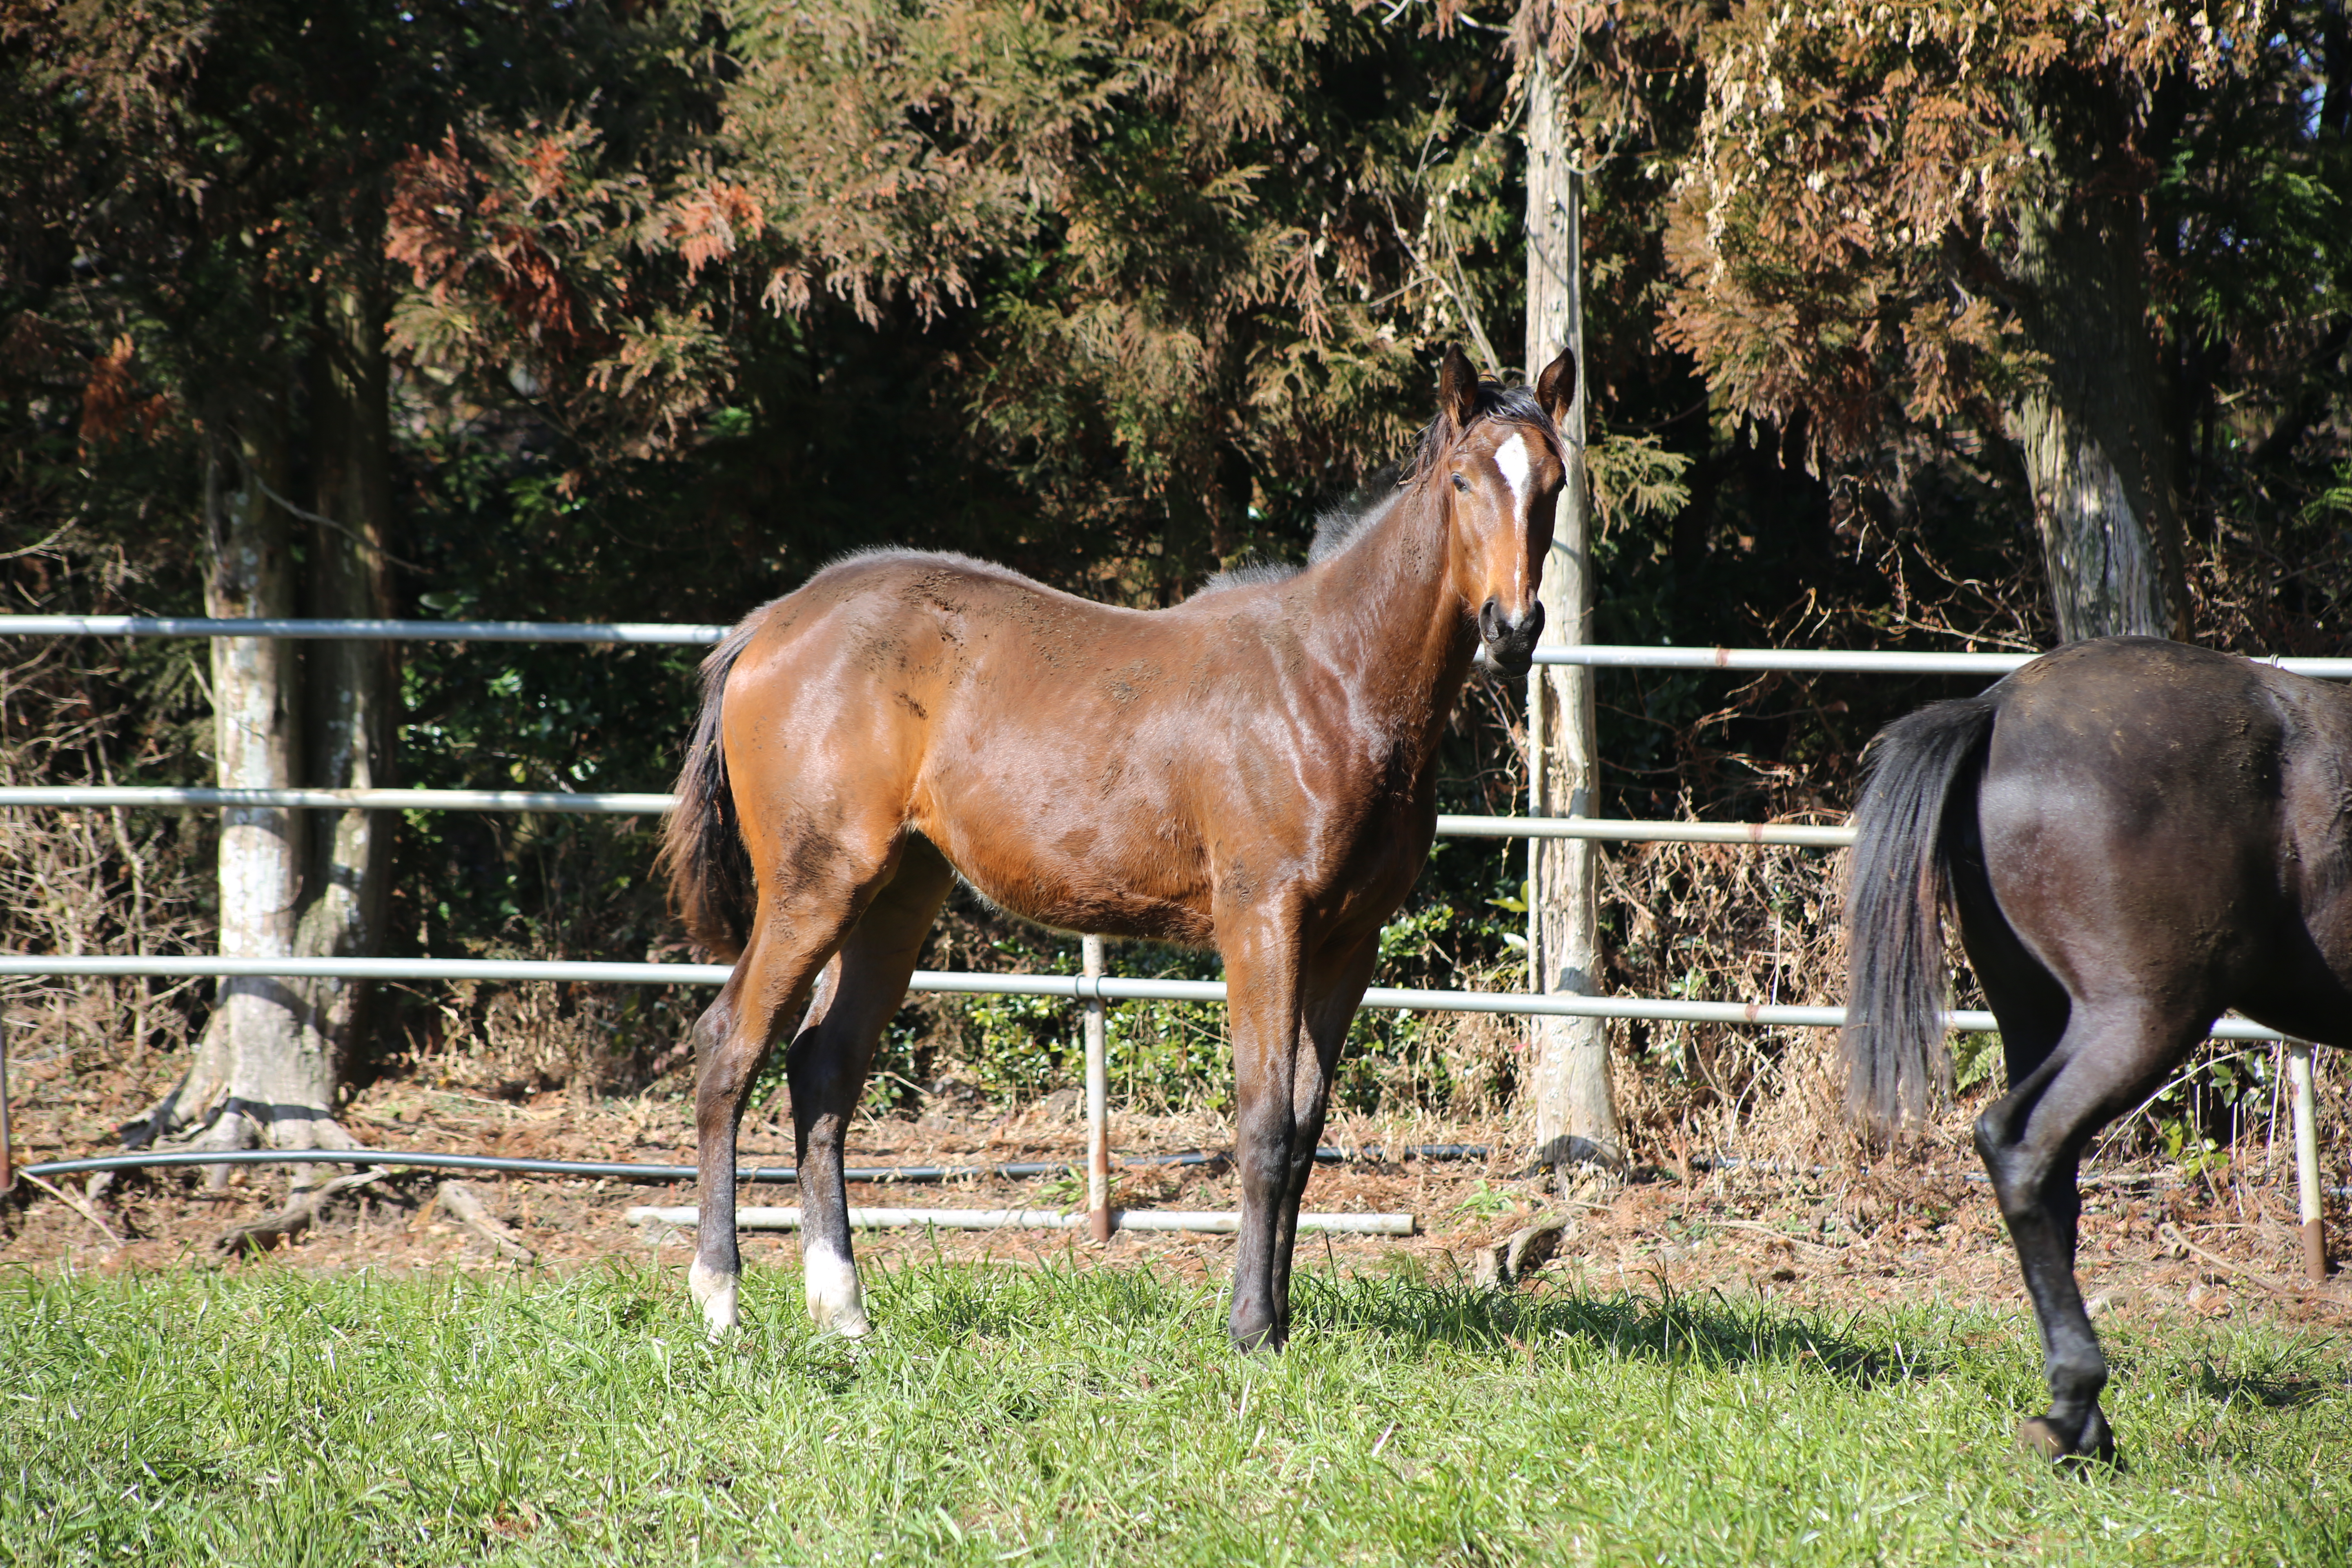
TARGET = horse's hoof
(850,1324)
(2039,1436)
(1258,1338)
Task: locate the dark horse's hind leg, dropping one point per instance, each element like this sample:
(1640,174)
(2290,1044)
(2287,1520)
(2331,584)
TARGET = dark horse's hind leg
(2032,1140)
(828,1063)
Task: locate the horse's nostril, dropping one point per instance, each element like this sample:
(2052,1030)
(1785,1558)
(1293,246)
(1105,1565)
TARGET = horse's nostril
(1490,620)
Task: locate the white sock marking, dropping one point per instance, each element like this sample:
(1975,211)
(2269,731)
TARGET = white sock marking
(835,1298)
(715,1292)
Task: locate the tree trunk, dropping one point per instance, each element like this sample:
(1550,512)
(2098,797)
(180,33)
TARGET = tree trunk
(2092,435)
(252,1077)
(1576,1110)
(350,687)
(272,1057)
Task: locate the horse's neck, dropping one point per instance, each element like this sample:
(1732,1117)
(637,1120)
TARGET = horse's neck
(1386,615)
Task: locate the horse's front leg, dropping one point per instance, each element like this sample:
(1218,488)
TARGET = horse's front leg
(1334,990)
(1261,989)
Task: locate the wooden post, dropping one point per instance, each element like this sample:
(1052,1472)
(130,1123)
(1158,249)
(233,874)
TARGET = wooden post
(2307,1158)
(1576,1110)
(1098,1095)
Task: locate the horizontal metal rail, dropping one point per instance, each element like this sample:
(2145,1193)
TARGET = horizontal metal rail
(1210,1221)
(1844,661)
(104,796)
(1805,835)
(1602,656)
(107,797)
(1107,987)
(512,1164)
(360,631)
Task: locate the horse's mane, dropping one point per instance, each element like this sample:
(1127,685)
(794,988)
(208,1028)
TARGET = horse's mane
(1336,528)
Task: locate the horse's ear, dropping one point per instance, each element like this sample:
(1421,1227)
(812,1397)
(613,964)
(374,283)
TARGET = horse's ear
(1457,386)
(1556,388)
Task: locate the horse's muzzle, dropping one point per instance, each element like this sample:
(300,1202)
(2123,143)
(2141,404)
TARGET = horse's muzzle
(1509,646)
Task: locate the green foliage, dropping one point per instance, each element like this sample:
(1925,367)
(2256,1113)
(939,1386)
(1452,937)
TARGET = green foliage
(1976,1058)
(1083,1414)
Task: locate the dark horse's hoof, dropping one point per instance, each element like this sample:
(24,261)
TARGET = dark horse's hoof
(2039,1436)
(1251,1339)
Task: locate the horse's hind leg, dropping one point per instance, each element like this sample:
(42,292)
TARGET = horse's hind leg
(828,1064)
(793,937)
(731,1039)
(2032,1141)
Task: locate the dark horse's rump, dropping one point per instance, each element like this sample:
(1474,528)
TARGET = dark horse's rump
(2136,836)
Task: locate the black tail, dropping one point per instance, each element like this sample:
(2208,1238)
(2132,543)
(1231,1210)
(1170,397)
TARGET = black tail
(1897,1062)
(711,883)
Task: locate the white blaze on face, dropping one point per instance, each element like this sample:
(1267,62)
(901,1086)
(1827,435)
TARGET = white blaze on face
(1512,458)
(835,1298)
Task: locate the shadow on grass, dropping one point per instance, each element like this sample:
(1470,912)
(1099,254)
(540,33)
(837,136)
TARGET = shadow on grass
(1709,1331)
(962,1303)
(2268,1383)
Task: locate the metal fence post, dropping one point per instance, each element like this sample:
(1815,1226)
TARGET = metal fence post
(1097,1093)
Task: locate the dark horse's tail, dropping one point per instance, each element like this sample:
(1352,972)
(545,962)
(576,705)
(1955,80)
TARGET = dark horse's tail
(1896,886)
(702,852)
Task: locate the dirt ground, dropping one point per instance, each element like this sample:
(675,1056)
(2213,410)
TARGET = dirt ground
(1912,1226)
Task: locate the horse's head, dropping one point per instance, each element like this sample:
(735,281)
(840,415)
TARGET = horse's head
(1498,470)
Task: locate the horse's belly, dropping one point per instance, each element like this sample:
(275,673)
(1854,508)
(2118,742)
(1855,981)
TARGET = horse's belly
(1084,878)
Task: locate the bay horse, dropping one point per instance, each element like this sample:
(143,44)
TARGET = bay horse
(2135,835)
(1250,770)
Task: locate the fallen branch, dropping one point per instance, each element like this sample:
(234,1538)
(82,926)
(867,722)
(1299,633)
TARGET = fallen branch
(467,1210)
(294,1219)
(74,1204)
(2170,1233)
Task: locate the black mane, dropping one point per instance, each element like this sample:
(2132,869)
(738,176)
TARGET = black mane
(1338,527)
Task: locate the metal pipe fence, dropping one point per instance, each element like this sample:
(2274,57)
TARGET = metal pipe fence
(1076,987)
(1607,656)
(628,1170)
(109,796)
(1096,988)
(635,632)
(1104,988)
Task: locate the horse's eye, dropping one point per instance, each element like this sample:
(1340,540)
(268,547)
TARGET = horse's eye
(1461,484)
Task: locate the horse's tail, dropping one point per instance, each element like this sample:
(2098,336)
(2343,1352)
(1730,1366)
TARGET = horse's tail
(1897,882)
(710,882)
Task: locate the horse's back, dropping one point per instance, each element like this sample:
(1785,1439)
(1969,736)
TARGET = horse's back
(2156,819)
(1048,745)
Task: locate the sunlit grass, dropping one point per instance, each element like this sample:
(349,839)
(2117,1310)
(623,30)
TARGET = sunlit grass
(1095,1415)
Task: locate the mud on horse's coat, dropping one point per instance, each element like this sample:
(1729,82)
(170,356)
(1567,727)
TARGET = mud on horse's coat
(2137,835)
(1251,770)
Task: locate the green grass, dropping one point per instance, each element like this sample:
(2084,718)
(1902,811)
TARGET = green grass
(1095,1415)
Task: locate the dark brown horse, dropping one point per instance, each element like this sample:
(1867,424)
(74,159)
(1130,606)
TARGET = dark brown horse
(2136,836)
(1249,769)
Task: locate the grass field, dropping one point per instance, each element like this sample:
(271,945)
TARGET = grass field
(1094,1414)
